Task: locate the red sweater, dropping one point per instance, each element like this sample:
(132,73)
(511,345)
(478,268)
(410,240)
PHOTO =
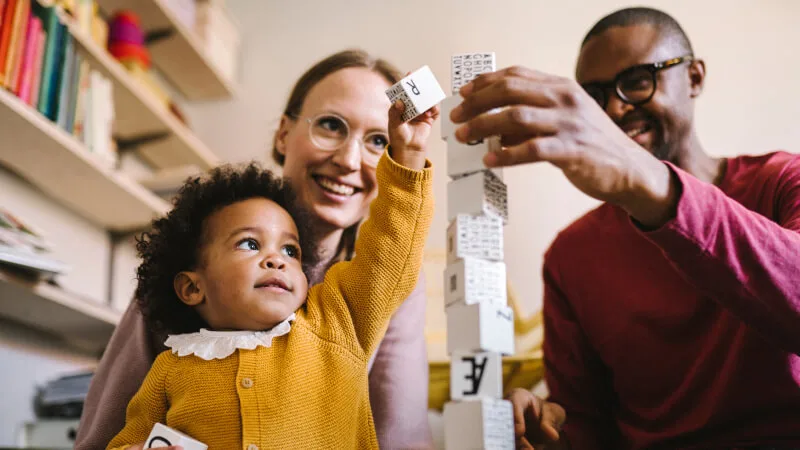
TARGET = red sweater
(687,336)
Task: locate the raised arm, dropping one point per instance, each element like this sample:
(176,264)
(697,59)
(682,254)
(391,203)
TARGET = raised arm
(126,360)
(747,262)
(398,380)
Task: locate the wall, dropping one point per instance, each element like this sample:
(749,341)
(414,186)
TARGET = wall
(750,104)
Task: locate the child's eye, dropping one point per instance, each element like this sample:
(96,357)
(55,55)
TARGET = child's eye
(248,244)
(291,251)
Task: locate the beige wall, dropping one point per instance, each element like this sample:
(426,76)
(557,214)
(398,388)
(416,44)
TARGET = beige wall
(751,104)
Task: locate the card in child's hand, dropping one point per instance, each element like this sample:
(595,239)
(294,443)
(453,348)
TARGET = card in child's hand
(164,436)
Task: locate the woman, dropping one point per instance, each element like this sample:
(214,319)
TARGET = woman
(331,135)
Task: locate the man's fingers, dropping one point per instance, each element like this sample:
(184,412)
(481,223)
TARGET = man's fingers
(506,91)
(546,148)
(514,121)
(519,403)
(486,79)
(553,417)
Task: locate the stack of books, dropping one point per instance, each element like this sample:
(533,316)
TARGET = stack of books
(40,64)
(22,247)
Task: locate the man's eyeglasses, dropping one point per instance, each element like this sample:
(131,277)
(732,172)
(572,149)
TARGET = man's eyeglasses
(634,85)
(330,132)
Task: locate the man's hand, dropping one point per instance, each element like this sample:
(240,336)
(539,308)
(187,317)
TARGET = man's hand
(547,118)
(537,422)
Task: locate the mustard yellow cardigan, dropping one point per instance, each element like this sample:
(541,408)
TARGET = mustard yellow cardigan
(309,390)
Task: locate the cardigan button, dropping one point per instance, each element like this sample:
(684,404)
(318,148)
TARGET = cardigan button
(252,447)
(247,383)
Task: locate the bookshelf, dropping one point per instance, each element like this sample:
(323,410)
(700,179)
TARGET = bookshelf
(62,167)
(82,322)
(138,113)
(179,55)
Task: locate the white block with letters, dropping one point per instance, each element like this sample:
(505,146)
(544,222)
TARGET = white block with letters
(476,375)
(466,67)
(484,424)
(467,158)
(478,236)
(448,126)
(471,280)
(478,193)
(419,92)
(164,436)
(482,327)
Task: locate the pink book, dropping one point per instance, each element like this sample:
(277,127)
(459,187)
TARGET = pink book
(31,44)
(38,62)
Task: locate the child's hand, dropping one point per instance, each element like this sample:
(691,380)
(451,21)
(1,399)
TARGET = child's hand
(537,422)
(409,140)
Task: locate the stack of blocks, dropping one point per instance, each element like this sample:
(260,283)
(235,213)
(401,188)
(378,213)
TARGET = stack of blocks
(480,325)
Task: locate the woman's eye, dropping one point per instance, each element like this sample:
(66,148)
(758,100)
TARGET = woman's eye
(331,124)
(248,244)
(378,141)
(291,251)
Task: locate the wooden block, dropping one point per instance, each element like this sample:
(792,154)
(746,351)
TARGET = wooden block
(482,327)
(471,280)
(164,436)
(419,92)
(474,376)
(478,193)
(478,236)
(484,424)
(466,67)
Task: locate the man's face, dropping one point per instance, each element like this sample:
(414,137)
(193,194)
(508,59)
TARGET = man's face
(662,125)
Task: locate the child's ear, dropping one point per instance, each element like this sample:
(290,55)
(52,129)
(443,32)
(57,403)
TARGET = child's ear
(189,288)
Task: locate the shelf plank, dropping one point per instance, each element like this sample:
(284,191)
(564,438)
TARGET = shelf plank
(138,113)
(82,322)
(60,166)
(180,56)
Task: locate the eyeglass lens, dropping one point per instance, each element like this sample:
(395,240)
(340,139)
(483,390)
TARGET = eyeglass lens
(331,132)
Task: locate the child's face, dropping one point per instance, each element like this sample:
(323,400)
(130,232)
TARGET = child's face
(250,275)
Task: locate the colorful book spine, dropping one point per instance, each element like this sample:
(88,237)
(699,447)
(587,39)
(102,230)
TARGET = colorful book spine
(15,42)
(41,41)
(28,62)
(6,26)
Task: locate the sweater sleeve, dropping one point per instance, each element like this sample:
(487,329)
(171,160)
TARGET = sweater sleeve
(149,405)
(576,377)
(124,365)
(744,260)
(357,298)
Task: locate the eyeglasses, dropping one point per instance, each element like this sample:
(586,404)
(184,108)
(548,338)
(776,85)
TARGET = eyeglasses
(634,85)
(330,132)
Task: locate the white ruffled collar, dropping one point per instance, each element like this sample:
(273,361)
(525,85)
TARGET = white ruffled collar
(208,345)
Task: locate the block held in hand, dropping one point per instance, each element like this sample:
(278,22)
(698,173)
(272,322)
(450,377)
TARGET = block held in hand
(419,92)
(164,436)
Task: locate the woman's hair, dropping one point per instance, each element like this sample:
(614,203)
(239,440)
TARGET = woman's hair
(334,63)
(175,243)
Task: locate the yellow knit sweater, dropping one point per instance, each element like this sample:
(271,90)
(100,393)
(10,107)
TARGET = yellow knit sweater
(309,390)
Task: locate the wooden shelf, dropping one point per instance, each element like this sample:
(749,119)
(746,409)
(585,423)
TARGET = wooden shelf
(139,113)
(59,165)
(179,55)
(82,322)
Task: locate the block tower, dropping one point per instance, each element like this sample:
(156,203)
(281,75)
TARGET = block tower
(480,324)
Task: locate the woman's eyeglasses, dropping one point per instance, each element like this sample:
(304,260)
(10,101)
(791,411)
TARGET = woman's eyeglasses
(330,132)
(634,85)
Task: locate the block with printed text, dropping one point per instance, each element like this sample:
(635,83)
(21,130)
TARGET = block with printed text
(484,424)
(476,236)
(466,67)
(476,375)
(479,193)
(419,91)
(164,436)
(472,280)
(481,327)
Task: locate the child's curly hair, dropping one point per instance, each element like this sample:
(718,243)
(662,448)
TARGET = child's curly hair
(174,243)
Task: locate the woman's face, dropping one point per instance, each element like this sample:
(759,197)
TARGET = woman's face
(335,185)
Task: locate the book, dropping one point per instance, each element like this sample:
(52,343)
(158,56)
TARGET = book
(15,41)
(28,62)
(41,41)
(5,35)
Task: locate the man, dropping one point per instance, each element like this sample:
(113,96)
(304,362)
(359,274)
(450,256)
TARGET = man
(672,311)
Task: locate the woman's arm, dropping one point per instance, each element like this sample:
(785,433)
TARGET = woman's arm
(125,363)
(398,380)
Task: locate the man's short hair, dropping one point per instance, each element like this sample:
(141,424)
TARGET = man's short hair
(666,24)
